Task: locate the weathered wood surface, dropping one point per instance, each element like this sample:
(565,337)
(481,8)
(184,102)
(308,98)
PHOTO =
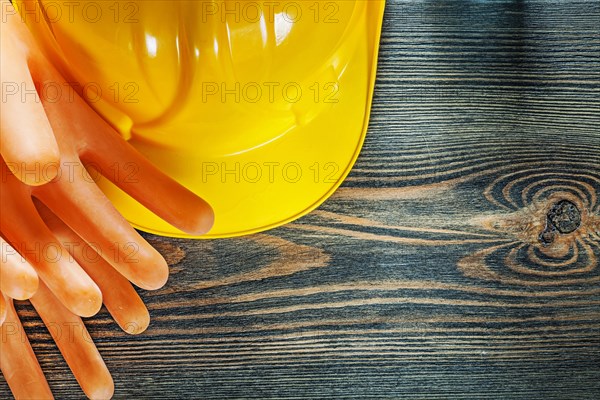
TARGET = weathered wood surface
(425,275)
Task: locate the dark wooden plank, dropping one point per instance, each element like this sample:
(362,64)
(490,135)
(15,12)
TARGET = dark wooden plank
(424,276)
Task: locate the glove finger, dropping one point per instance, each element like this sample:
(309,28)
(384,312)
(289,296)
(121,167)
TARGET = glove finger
(2,309)
(85,209)
(103,148)
(23,228)
(147,184)
(18,363)
(75,344)
(119,297)
(18,279)
(54,265)
(26,138)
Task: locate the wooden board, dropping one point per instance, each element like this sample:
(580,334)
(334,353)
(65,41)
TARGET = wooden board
(426,275)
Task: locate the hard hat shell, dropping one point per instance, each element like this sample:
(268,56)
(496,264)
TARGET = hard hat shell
(260,107)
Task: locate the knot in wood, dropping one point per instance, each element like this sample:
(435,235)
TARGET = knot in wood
(564,216)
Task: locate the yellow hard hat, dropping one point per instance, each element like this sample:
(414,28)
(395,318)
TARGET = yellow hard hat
(260,107)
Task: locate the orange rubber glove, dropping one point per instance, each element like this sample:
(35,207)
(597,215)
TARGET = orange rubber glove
(17,359)
(47,144)
(55,216)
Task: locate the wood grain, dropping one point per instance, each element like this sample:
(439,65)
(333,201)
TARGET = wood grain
(424,276)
